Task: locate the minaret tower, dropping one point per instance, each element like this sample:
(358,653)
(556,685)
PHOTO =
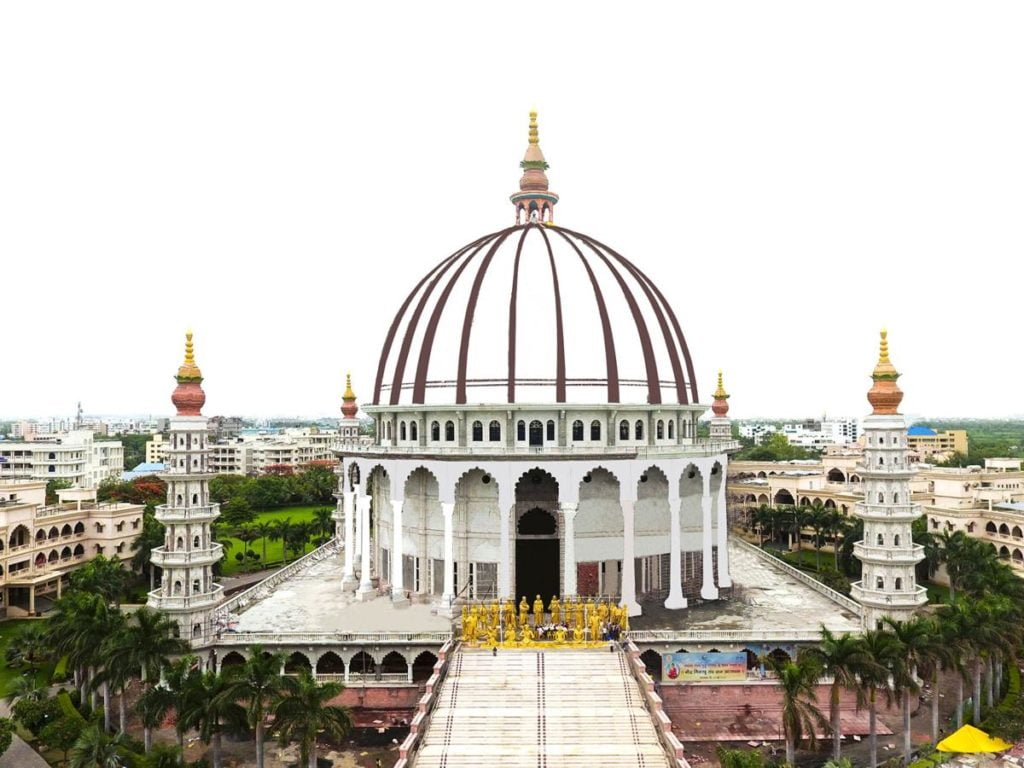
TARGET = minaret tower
(187,592)
(721,424)
(534,201)
(348,426)
(887,552)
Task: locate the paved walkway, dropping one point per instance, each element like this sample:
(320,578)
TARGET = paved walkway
(19,754)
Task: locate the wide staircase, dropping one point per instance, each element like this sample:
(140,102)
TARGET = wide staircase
(540,709)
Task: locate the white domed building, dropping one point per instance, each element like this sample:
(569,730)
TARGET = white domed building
(536,418)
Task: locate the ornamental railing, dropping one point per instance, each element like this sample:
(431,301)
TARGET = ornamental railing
(723,635)
(796,573)
(332,638)
(709,447)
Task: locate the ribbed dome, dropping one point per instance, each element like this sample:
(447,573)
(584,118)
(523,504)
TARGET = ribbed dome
(535,314)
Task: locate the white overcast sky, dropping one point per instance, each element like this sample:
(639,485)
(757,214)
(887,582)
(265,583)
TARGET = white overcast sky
(278,175)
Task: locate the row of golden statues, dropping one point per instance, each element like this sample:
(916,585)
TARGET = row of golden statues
(575,620)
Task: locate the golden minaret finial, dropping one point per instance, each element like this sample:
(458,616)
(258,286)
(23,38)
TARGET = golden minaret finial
(720,392)
(349,394)
(189,371)
(885,396)
(533,127)
(883,347)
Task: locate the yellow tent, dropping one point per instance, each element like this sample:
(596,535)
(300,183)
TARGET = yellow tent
(970,739)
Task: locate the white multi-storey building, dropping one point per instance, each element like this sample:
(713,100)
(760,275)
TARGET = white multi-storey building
(887,552)
(187,591)
(73,456)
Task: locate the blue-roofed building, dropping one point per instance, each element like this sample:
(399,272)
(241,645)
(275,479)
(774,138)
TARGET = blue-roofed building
(143,469)
(919,430)
(927,444)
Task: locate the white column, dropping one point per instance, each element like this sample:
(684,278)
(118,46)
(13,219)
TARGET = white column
(724,579)
(708,590)
(505,551)
(448,596)
(397,582)
(629,559)
(359,526)
(366,591)
(569,510)
(348,575)
(675,599)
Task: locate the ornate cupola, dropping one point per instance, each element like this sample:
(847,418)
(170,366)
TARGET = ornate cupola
(721,425)
(188,397)
(534,201)
(885,395)
(349,408)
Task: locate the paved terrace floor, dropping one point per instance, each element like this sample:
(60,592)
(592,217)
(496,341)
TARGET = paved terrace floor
(764,598)
(313,601)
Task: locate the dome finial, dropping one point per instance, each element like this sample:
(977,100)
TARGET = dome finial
(534,202)
(885,396)
(189,397)
(349,409)
(720,407)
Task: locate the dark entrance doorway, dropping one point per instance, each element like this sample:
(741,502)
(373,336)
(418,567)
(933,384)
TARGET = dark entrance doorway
(536,569)
(536,433)
(536,556)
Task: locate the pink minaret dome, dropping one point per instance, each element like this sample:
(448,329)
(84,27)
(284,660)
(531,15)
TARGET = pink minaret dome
(188,396)
(534,201)
(720,407)
(349,408)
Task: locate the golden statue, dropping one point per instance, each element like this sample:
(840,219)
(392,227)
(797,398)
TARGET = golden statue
(527,636)
(556,610)
(577,634)
(578,612)
(508,612)
(524,611)
(624,621)
(538,612)
(595,627)
(559,635)
(603,611)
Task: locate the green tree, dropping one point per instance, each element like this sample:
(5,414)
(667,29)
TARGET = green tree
(237,511)
(740,758)
(54,485)
(151,537)
(62,734)
(257,684)
(96,749)
(263,529)
(160,756)
(28,648)
(844,659)
(282,531)
(303,712)
(103,576)
(913,638)
(324,523)
(801,718)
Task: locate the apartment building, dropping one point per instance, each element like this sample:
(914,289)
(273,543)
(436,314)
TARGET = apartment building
(73,456)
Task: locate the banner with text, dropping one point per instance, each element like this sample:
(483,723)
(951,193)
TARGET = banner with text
(703,667)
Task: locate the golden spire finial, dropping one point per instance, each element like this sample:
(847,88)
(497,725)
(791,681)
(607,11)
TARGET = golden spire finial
(349,394)
(883,347)
(720,392)
(189,371)
(533,127)
(189,352)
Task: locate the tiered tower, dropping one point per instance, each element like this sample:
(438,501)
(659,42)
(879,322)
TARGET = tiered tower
(187,591)
(887,552)
(348,426)
(721,424)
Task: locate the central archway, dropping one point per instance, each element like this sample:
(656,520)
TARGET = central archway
(537,550)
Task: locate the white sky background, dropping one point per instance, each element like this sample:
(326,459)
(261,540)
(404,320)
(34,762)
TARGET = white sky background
(279,175)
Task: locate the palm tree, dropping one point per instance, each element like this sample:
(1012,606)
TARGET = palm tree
(256,684)
(145,647)
(324,522)
(207,710)
(161,756)
(170,694)
(913,637)
(956,627)
(844,659)
(800,716)
(25,687)
(303,712)
(935,656)
(246,534)
(282,532)
(763,519)
(96,749)
(29,647)
(263,529)
(883,650)
(817,516)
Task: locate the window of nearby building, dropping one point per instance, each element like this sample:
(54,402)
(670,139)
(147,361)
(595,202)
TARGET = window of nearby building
(449,431)
(494,430)
(413,431)
(638,430)
(551,432)
(577,430)
(672,430)
(478,431)
(521,431)
(595,430)
(401,431)
(623,430)
(660,430)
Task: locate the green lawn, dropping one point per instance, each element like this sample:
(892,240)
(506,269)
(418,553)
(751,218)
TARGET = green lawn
(302,514)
